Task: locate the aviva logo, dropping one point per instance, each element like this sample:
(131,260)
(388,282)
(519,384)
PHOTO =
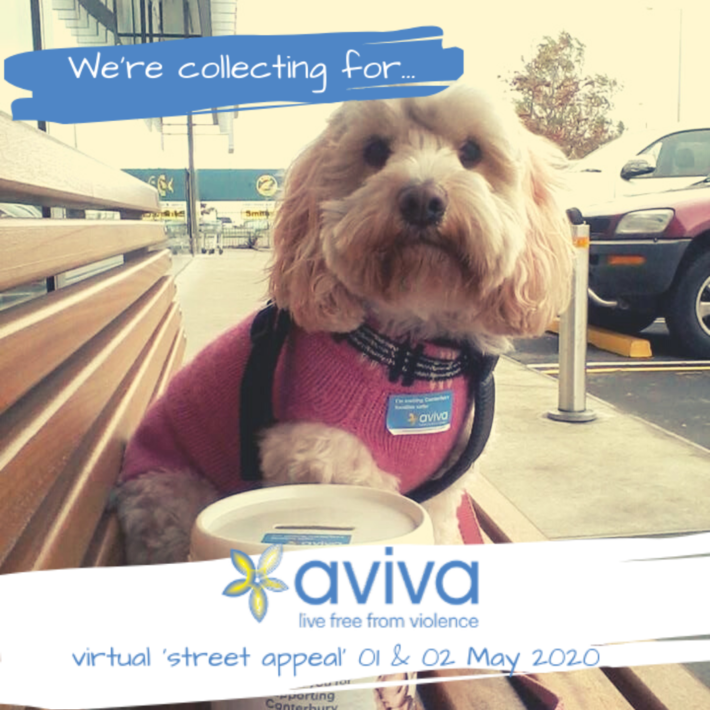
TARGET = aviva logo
(256,580)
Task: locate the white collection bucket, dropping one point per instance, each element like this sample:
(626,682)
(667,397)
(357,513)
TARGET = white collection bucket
(310,515)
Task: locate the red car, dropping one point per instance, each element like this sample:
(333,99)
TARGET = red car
(650,256)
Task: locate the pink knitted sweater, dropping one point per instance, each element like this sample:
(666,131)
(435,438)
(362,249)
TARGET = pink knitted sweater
(339,381)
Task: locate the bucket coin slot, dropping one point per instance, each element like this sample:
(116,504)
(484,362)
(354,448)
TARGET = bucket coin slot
(314,527)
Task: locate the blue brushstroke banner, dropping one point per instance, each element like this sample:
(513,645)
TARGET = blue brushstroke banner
(84,85)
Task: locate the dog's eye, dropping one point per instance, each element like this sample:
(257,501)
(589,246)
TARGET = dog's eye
(376,152)
(470,154)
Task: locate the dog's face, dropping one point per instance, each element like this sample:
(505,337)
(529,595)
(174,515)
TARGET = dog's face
(432,215)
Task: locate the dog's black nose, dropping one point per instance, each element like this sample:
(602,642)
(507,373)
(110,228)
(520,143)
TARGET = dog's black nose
(422,205)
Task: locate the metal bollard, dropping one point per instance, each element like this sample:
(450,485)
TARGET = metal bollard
(572,380)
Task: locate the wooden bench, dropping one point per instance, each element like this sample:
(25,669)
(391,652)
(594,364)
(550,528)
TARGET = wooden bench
(665,687)
(80,364)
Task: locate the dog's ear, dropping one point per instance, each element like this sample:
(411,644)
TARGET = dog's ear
(299,277)
(539,288)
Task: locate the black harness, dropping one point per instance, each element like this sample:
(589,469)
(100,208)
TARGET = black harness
(268,334)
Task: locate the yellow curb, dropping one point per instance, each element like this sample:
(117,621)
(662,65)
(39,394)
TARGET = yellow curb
(625,345)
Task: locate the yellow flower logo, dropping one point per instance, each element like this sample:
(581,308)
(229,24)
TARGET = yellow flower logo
(256,580)
(412,418)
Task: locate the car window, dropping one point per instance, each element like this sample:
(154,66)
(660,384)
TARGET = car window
(683,154)
(612,154)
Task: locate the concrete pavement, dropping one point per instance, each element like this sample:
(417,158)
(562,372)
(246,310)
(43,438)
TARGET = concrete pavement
(616,476)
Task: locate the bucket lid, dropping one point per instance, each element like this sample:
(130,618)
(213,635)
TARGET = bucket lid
(307,515)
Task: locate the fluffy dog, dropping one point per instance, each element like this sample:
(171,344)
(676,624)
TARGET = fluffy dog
(408,227)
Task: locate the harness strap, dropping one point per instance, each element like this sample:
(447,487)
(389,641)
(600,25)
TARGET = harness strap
(482,392)
(268,334)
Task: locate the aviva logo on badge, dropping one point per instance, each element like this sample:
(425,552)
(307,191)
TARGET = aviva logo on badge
(256,579)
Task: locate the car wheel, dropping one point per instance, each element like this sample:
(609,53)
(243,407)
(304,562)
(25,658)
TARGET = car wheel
(688,313)
(621,321)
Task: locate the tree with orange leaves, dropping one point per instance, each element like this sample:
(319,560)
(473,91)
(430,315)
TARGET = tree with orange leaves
(557,100)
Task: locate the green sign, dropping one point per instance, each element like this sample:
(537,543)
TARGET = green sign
(214,185)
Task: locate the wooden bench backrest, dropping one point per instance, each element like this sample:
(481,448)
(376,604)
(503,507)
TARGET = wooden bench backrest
(80,364)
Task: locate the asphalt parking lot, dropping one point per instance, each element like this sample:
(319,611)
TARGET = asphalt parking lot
(667,389)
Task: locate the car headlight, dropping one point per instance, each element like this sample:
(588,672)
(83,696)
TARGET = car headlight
(644,222)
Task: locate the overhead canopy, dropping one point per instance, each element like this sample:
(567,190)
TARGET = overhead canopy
(104,22)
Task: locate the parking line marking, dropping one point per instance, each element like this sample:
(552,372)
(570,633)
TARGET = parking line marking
(625,368)
(661,365)
(621,368)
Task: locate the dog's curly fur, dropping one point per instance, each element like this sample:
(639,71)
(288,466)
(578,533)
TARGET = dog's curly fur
(433,217)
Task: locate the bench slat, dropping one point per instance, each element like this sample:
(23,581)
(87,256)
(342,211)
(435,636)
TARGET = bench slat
(665,687)
(581,690)
(498,517)
(57,325)
(491,693)
(37,169)
(106,548)
(172,364)
(33,249)
(61,530)
(40,432)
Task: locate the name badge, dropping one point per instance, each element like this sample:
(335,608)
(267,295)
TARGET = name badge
(420,413)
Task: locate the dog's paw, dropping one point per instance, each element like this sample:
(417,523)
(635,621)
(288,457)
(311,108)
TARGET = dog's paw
(157,511)
(315,453)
